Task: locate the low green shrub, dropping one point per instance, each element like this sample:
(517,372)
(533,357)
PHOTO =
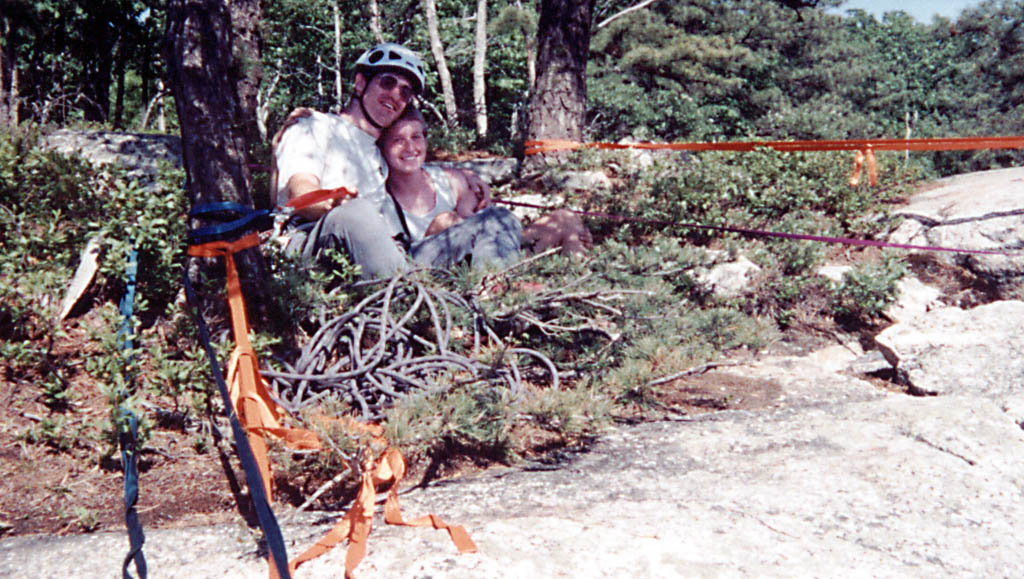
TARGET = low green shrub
(51,205)
(868,289)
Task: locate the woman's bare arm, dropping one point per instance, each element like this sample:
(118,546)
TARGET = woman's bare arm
(466,201)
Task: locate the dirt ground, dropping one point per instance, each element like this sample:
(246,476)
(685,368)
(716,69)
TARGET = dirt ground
(66,484)
(69,486)
(51,490)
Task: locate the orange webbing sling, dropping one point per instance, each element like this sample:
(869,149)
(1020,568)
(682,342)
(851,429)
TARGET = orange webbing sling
(388,468)
(260,417)
(865,148)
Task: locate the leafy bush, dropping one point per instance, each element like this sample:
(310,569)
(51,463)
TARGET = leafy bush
(51,205)
(868,289)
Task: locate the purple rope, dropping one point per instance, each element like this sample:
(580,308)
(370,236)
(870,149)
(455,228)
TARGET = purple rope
(763,233)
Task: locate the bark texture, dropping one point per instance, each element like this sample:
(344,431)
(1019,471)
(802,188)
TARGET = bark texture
(214,75)
(8,76)
(558,102)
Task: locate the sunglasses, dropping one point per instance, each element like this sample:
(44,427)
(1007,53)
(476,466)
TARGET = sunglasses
(388,83)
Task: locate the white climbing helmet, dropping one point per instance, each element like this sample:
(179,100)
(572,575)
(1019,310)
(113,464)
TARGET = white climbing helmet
(394,57)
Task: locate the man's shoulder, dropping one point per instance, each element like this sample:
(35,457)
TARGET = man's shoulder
(315,118)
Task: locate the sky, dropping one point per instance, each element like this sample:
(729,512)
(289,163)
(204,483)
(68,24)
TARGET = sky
(922,10)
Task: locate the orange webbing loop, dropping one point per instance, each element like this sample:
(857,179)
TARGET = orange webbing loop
(260,417)
(355,526)
(862,157)
(256,411)
(872,168)
(392,468)
(319,196)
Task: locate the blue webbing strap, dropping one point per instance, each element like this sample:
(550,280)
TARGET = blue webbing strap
(271,530)
(127,437)
(238,218)
(207,209)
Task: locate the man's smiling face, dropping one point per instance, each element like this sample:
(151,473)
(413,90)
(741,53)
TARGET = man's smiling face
(385,96)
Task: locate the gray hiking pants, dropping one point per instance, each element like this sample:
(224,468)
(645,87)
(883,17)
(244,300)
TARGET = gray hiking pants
(488,237)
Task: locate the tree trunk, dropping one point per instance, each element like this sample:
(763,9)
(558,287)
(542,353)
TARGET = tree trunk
(248,73)
(531,62)
(155,105)
(213,77)
(338,77)
(557,106)
(98,67)
(161,106)
(451,109)
(263,102)
(119,74)
(213,55)
(375,21)
(479,63)
(8,69)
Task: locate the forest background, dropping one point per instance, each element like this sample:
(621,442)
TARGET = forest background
(618,325)
(696,70)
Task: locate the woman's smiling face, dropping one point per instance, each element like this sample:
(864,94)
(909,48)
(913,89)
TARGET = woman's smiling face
(405,146)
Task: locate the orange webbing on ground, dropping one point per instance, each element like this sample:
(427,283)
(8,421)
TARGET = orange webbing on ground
(260,417)
(356,524)
(938,144)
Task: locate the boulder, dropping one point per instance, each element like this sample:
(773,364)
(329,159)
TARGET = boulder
(142,152)
(834,272)
(531,203)
(913,299)
(730,279)
(577,180)
(954,351)
(887,486)
(983,210)
(494,171)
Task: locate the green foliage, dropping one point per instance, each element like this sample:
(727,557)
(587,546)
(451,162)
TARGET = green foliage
(726,329)
(451,140)
(695,70)
(764,189)
(301,291)
(473,414)
(50,206)
(707,70)
(582,410)
(868,289)
(57,431)
(71,56)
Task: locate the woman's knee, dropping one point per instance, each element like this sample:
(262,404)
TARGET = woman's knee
(503,218)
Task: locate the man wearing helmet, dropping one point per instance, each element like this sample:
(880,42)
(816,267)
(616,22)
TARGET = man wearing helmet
(325,151)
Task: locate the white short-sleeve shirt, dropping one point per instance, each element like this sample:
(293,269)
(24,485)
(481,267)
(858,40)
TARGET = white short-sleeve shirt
(339,153)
